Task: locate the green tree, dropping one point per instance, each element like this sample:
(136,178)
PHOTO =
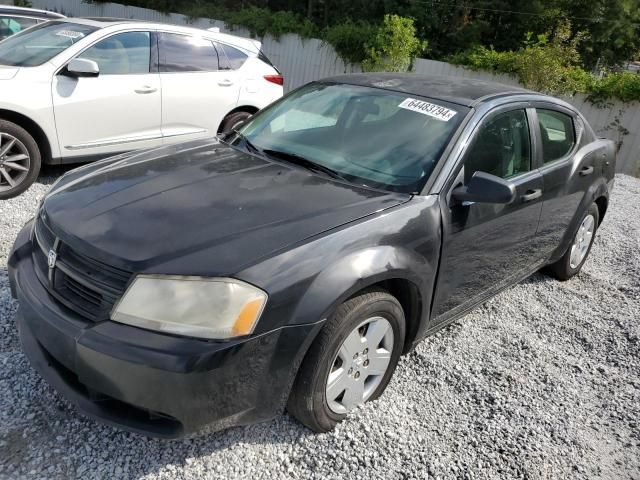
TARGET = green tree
(393,46)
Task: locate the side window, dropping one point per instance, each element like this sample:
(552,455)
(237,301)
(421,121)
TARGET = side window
(231,58)
(558,134)
(125,53)
(186,53)
(502,147)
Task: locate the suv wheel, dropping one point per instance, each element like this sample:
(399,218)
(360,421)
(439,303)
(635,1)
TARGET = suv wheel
(350,362)
(577,253)
(232,121)
(19,160)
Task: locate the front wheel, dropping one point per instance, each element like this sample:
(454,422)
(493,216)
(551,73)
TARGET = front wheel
(350,362)
(19,160)
(575,256)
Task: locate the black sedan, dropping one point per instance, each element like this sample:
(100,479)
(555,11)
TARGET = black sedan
(291,263)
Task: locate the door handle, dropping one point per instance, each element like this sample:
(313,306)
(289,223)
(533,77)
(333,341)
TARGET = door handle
(225,83)
(145,89)
(586,171)
(531,195)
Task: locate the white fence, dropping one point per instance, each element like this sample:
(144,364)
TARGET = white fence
(303,60)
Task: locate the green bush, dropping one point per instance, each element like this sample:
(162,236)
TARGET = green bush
(393,46)
(553,67)
(349,39)
(262,21)
(623,86)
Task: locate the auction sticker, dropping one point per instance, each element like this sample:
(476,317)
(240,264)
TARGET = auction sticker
(70,34)
(426,108)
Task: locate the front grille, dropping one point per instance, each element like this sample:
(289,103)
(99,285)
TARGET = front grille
(81,283)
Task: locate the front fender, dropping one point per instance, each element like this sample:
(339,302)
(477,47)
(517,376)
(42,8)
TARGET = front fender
(357,271)
(306,283)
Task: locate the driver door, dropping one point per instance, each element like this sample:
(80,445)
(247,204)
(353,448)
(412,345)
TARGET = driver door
(117,111)
(488,246)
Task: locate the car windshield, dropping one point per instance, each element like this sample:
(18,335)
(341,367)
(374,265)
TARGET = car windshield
(369,136)
(39,44)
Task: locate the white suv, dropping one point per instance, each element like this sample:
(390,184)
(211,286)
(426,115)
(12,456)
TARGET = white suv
(77,90)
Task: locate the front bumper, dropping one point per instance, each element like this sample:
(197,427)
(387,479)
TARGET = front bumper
(151,383)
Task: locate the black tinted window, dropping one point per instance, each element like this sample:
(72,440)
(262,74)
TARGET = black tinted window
(232,58)
(502,147)
(185,53)
(558,136)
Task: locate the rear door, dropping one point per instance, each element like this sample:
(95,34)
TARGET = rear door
(486,246)
(196,92)
(565,180)
(119,110)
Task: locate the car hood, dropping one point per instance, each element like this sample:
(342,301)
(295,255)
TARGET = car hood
(201,208)
(7,73)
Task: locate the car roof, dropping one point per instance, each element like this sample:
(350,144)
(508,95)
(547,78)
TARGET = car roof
(28,12)
(463,91)
(249,45)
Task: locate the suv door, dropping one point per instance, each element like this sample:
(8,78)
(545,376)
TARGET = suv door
(487,246)
(196,92)
(116,111)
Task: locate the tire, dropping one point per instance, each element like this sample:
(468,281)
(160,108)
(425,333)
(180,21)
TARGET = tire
(569,266)
(309,401)
(21,144)
(232,120)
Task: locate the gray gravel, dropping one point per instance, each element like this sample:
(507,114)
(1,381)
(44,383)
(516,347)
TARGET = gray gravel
(541,382)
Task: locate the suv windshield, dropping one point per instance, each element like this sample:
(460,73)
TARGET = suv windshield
(41,43)
(369,136)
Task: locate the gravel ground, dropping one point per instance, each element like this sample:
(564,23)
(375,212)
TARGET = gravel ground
(542,381)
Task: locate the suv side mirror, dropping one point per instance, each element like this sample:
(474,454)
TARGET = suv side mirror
(82,67)
(485,188)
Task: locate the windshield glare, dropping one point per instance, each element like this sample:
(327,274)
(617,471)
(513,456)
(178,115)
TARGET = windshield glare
(39,44)
(369,136)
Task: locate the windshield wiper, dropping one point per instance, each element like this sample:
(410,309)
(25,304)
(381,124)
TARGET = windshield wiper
(304,162)
(250,146)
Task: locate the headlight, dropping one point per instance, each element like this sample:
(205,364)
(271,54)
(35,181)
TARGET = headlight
(214,308)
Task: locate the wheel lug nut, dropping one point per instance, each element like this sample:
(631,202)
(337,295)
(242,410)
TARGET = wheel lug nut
(350,371)
(366,363)
(357,375)
(355,356)
(365,351)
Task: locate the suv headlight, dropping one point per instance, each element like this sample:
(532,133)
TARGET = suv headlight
(214,308)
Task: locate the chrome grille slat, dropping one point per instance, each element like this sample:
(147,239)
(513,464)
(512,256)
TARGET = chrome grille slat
(81,283)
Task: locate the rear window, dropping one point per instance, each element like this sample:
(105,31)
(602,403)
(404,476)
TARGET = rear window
(186,53)
(558,134)
(230,58)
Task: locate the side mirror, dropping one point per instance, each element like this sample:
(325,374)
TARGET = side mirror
(82,67)
(485,188)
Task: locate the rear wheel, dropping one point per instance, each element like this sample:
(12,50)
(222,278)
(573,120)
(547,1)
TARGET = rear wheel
(19,160)
(350,362)
(232,121)
(573,260)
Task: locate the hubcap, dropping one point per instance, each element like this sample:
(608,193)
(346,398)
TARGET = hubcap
(14,162)
(360,365)
(582,241)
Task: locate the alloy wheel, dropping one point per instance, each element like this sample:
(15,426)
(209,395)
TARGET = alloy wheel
(14,162)
(360,365)
(582,241)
